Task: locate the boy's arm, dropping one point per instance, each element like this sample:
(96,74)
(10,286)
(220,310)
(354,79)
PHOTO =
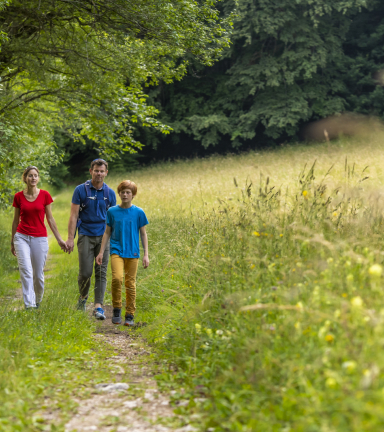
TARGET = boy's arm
(106,237)
(144,241)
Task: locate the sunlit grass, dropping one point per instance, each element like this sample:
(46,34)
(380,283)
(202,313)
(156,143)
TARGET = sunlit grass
(260,290)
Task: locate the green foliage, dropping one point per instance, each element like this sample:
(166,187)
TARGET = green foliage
(81,67)
(289,62)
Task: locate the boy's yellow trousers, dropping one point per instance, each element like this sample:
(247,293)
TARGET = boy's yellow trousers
(124,267)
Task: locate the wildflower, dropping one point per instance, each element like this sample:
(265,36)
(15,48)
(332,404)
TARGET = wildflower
(198,328)
(329,337)
(376,270)
(305,193)
(219,332)
(331,382)
(334,214)
(300,305)
(255,233)
(350,278)
(281,235)
(252,266)
(330,260)
(209,332)
(357,301)
(349,366)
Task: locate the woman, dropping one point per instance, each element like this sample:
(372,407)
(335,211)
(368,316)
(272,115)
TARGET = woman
(29,236)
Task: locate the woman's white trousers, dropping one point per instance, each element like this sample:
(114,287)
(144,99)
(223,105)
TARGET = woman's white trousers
(31,256)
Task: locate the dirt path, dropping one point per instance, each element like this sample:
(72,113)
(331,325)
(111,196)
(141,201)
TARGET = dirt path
(133,404)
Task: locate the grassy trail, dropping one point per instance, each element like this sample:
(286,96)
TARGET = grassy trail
(263,297)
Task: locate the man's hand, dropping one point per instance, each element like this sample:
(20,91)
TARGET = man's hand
(13,250)
(145,261)
(70,245)
(99,259)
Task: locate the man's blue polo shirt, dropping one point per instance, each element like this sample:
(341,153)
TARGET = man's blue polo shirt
(94,216)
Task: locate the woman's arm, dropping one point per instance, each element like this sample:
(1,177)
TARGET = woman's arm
(52,224)
(15,223)
(144,241)
(106,237)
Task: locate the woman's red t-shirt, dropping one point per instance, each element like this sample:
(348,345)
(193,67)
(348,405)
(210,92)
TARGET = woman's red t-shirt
(32,213)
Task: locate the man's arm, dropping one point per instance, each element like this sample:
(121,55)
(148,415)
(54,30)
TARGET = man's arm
(72,227)
(144,241)
(106,237)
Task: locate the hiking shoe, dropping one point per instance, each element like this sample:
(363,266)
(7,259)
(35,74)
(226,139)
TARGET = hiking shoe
(129,320)
(81,304)
(98,313)
(37,305)
(116,318)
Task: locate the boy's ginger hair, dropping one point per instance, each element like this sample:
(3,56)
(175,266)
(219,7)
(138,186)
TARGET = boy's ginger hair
(127,184)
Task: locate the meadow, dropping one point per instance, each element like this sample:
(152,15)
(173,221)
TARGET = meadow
(263,298)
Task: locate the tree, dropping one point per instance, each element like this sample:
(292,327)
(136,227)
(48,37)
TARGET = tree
(81,67)
(287,64)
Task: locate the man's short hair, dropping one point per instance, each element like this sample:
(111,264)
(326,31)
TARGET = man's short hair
(99,162)
(127,184)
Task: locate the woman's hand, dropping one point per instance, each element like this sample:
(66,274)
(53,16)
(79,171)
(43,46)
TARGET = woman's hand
(62,244)
(13,250)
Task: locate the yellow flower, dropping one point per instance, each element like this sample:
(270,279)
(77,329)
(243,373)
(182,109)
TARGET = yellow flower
(376,270)
(281,235)
(256,233)
(331,382)
(357,301)
(305,193)
(349,366)
(329,337)
(198,328)
(334,214)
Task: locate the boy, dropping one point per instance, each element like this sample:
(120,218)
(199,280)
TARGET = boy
(124,222)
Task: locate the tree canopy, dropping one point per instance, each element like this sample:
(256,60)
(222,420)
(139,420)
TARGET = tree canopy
(81,67)
(289,62)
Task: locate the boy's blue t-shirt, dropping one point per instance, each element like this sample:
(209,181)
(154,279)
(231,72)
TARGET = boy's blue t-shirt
(125,225)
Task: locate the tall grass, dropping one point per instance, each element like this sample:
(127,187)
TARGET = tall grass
(264,292)
(269,304)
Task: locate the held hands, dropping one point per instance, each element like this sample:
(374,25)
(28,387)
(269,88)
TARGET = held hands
(70,245)
(145,261)
(63,245)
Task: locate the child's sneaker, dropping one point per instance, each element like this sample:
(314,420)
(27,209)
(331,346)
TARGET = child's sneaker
(116,318)
(98,313)
(129,320)
(81,304)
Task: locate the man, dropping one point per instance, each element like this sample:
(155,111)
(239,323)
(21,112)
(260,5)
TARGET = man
(90,203)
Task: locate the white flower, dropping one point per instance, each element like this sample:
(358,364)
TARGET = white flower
(219,332)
